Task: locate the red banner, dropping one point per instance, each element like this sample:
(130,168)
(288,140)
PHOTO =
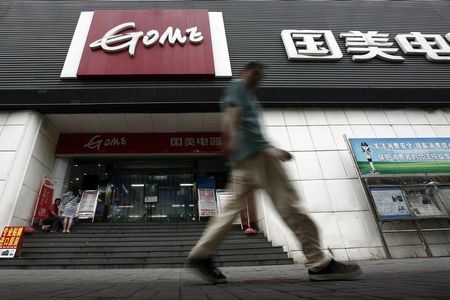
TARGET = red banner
(148,42)
(11,241)
(139,143)
(45,199)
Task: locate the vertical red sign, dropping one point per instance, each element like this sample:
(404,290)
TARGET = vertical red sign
(45,199)
(150,52)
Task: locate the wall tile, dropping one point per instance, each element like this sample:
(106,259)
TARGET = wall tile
(26,202)
(35,172)
(442,130)
(376,116)
(322,138)
(348,163)
(316,196)
(6,161)
(416,116)
(439,250)
(356,116)
(329,232)
(10,137)
(293,117)
(273,117)
(338,135)
(49,131)
(300,138)
(279,137)
(18,118)
(315,116)
(347,195)
(86,119)
(383,131)
(308,165)
(3,118)
(336,117)
(332,167)
(436,117)
(445,111)
(363,131)
(404,131)
(371,228)
(424,131)
(352,229)
(298,185)
(396,116)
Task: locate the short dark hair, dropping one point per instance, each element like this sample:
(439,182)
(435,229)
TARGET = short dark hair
(253,65)
(57,199)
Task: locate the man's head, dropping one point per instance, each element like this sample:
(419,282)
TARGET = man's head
(57,201)
(253,73)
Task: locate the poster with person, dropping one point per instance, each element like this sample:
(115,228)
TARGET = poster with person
(390,203)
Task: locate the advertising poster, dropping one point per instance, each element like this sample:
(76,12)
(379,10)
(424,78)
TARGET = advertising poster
(223,198)
(45,199)
(88,204)
(422,202)
(390,203)
(151,193)
(445,195)
(401,155)
(206,203)
(11,241)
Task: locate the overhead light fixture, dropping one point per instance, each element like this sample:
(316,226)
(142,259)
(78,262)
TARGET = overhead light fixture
(186,184)
(138,185)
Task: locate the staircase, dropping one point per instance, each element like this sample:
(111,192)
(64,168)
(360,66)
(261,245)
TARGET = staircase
(138,245)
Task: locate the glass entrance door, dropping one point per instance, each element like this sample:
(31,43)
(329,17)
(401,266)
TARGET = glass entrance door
(147,198)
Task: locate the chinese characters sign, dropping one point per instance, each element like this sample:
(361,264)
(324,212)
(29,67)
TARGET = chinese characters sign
(11,241)
(363,46)
(45,199)
(401,155)
(206,203)
(390,203)
(139,143)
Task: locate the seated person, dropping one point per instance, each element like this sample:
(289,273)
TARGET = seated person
(53,221)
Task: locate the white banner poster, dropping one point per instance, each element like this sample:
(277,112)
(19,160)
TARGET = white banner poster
(423,202)
(88,204)
(390,203)
(206,203)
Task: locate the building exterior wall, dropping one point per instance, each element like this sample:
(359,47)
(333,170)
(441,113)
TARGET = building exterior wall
(327,180)
(27,147)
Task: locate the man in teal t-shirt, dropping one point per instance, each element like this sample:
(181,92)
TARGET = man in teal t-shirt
(257,165)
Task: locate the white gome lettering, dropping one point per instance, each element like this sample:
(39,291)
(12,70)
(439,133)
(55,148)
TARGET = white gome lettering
(96,142)
(114,41)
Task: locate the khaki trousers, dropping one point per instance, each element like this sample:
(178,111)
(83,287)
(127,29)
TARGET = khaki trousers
(264,170)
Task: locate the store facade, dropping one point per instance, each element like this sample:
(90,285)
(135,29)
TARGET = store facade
(327,77)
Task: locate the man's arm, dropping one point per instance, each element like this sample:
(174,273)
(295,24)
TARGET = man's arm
(230,124)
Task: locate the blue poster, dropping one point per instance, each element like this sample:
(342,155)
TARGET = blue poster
(401,155)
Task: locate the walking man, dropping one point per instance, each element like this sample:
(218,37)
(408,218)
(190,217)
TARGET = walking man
(257,165)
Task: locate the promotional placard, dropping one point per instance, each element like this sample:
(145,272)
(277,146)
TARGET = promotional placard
(390,203)
(445,195)
(11,241)
(45,199)
(423,202)
(401,155)
(206,203)
(88,204)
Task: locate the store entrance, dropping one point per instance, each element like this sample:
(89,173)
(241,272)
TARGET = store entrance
(146,190)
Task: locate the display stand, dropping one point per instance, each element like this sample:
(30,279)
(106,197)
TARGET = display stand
(404,201)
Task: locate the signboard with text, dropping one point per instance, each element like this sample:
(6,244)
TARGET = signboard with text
(390,203)
(139,143)
(401,155)
(88,204)
(11,241)
(45,199)
(206,203)
(163,42)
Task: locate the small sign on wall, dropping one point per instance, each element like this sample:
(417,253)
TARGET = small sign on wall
(11,241)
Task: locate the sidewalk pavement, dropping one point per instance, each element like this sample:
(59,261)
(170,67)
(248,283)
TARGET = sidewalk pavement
(382,279)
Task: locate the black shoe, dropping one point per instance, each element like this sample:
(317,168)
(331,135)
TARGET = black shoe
(207,270)
(336,271)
